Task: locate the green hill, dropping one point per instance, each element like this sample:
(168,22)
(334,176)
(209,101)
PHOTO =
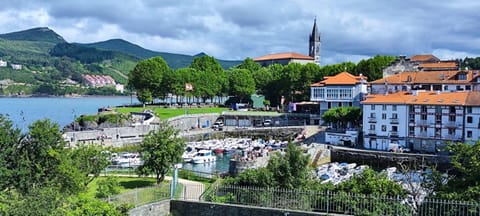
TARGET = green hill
(42,34)
(175,61)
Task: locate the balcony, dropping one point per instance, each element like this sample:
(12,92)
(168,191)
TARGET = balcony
(394,121)
(393,133)
(422,134)
(452,137)
(422,123)
(452,124)
(372,120)
(371,132)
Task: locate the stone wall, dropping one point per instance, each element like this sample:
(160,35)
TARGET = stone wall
(186,208)
(161,208)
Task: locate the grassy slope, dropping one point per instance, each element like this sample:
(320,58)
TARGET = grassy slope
(165,113)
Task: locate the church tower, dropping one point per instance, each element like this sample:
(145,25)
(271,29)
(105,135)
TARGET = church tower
(315,43)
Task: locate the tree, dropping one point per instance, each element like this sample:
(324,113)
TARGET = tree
(241,82)
(214,80)
(90,159)
(465,184)
(373,67)
(36,159)
(160,150)
(147,76)
(341,116)
(292,170)
(250,65)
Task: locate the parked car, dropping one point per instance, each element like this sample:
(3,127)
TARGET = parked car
(218,125)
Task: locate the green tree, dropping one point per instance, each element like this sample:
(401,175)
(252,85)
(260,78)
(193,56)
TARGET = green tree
(341,116)
(160,150)
(374,183)
(291,170)
(465,185)
(90,159)
(38,159)
(250,65)
(373,67)
(107,187)
(147,76)
(241,82)
(213,80)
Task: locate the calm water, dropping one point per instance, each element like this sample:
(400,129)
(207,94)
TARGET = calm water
(24,111)
(221,165)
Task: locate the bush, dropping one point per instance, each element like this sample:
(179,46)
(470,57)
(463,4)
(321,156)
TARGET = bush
(107,187)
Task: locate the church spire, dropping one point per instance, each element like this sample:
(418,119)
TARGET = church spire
(315,43)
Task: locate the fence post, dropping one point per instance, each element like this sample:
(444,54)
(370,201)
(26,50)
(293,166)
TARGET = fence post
(328,199)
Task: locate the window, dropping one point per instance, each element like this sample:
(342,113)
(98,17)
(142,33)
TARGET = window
(411,108)
(423,117)
(451,131)
(452,118)
(469,134)
(372,127)
(468,88)
(452,109)
(329,105)
(438,109)
(350,104)
(445,88)
(394,107)
(438,118)
(469,109)
(423,129)
(469,119)
(424,109)
(384,116)
(372,115)
(411,117)
(384,107)
(394,116)
(438,132)
(394,128)
(462,76)
(411,130)
(384,128)
(373,107)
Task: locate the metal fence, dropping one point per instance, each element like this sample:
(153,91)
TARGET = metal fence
(335,202)
(142,196)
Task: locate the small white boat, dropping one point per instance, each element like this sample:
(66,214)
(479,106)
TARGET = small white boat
(126,160)
(188,156)
(204,156)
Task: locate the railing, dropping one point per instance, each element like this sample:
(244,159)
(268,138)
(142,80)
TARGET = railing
(142,196)
(337,202)
(394,121)
(394,133)
(372,119)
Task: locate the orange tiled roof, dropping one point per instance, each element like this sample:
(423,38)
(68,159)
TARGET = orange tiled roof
(424,77)
(426,98)
(287,55)
(439,65)
(423,57)
(343,78)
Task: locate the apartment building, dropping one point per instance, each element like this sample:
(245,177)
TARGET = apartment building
(420,120)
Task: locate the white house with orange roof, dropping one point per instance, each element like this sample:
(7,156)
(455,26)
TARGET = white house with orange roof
(284,59)
(420,120)
(343,89)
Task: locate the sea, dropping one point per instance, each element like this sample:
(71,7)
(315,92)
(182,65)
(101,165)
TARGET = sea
(63,110)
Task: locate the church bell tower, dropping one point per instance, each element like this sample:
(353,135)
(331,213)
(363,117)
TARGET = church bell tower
(315,43)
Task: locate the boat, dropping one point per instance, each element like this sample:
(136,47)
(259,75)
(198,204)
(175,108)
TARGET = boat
(187,157)
(204,156)
(127,160)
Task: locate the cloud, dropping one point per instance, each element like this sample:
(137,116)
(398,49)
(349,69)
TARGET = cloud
(350,29)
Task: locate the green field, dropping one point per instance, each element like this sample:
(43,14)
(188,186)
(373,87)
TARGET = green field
(166,113)
(126,184)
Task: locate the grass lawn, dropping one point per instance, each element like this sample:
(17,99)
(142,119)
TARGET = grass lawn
(126,184)
(166,113)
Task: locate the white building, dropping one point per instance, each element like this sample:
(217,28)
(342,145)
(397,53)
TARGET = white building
(3,63)
(16,66)
(420,120)
(340,90)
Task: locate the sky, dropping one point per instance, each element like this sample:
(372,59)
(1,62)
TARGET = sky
(351,30)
